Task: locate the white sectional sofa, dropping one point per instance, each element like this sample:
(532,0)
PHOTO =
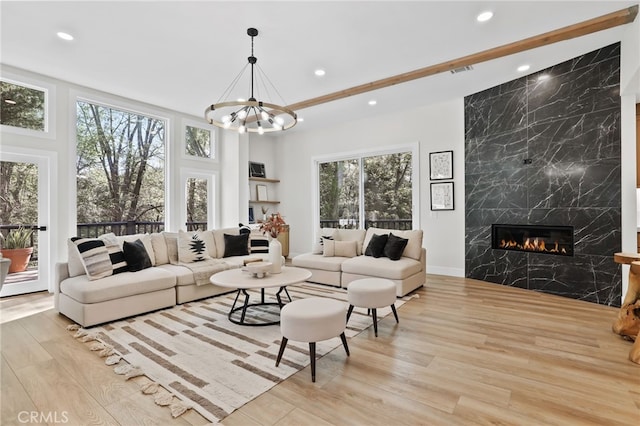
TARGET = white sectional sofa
(169,280)
(340,268)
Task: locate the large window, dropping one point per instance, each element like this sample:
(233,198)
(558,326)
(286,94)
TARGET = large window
(367,191)
(120,170)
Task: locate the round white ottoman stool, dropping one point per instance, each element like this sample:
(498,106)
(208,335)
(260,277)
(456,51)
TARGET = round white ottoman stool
(312,320)
(372,293)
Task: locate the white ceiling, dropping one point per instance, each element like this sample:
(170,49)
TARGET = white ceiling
(183,54)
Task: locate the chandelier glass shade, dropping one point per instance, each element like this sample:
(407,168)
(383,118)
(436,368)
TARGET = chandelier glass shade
(251,115)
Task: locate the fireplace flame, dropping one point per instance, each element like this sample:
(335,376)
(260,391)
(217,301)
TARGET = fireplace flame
(532,244)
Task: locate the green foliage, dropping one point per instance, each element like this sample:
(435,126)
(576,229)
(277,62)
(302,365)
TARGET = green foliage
(387,188)
(18,192)
(18,238)
(119,166)
(22,106)
(198,141)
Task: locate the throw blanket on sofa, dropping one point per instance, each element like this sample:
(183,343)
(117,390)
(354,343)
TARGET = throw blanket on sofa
(202,271)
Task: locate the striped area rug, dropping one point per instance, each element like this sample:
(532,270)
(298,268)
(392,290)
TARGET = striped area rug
(211,364)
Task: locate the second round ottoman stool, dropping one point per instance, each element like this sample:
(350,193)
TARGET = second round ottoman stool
(372,293)
(312,320)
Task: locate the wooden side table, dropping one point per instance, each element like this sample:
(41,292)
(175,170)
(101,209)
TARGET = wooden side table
(633,259)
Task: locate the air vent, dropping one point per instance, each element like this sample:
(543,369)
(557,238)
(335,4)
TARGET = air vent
(462,69)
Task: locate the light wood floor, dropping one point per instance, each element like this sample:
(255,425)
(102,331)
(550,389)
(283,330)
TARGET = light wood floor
(465,352)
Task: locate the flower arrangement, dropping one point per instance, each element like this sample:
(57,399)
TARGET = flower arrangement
(274,225)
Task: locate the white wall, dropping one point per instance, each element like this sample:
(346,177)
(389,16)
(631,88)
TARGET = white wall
(435,128)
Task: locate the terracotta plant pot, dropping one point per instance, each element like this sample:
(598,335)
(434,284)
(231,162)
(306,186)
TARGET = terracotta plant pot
(19,258)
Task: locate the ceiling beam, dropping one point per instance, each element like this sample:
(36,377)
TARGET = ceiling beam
(604,22)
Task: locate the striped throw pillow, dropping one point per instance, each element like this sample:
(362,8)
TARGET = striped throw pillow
(95,257)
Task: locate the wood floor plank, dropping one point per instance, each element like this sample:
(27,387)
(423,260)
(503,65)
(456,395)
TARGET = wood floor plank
(464,352)
(19,348)
(15,399)
(54,392)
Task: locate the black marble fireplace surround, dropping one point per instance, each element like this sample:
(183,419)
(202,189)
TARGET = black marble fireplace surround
(545,150)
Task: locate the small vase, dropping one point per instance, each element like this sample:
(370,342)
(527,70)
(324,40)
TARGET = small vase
(275,256)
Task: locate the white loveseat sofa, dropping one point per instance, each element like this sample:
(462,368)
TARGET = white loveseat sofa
(339,269)
(88,300)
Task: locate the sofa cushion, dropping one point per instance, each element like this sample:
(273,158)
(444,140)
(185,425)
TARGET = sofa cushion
(117,286)
(382,267)
(321,235)
(116,255)
(171,238)
(218,236)
(95,257)
(236,245)
(318,261)
(159,248)
(183,275)
(376,245)
(395,246)
(191,247)
(75,265)
(146,240)
(340,248)
(356,235)
(136,256)
(414,245)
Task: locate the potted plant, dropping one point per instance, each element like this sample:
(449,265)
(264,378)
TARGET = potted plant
(17,247)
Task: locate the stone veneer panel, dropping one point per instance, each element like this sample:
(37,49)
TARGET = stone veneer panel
(568,125)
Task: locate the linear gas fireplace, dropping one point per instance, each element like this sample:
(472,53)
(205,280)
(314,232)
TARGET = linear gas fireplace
(556,240)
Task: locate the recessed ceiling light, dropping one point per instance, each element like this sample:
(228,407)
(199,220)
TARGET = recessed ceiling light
(523,68)
(484,16)
(373,102)
(319,72)
(65,36)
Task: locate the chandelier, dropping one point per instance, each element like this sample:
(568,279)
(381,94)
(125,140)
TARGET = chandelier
(250,115)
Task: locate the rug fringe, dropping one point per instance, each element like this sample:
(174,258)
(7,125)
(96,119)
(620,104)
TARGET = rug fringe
(113,359)
(128,371)
(89,337)
(178,409)
(163,399)
(73,327)
(150,388)
(107,351)
(97,347)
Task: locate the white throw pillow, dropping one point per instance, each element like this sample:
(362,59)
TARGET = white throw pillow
(191,247)
(321,235)
(159,244)
(171,238)
(340,248)
(356,235)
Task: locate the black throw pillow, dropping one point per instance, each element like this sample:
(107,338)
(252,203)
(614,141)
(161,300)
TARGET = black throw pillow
(136,256)
(236,245)
(395,246)
(376,245)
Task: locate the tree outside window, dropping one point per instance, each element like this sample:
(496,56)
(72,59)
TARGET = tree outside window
(120,166)
(385,182)
(198,142)
(22,106)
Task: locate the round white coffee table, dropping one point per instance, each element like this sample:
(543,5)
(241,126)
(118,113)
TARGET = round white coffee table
(243,281)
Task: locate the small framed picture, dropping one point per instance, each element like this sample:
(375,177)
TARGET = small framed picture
(442,196)
(441,165)
(256,170)
(262,193)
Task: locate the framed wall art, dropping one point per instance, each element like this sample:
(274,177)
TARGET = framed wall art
(441,165)
(442,196)
(256,170)
(262,192)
